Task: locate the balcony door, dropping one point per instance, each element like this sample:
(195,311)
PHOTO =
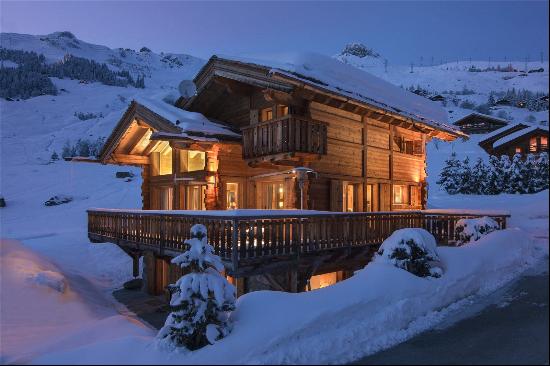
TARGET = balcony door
(271,195)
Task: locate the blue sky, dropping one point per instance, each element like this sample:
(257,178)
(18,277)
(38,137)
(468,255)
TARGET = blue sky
(402,31)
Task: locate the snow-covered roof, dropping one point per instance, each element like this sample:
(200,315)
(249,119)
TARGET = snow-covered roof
(481,115)
(190,123)
(501,130)
(337,77)
(517,134)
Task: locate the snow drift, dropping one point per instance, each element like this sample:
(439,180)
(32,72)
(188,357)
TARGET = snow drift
(378,307)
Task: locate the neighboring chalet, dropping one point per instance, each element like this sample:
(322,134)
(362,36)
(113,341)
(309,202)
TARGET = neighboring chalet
(518,138)
(257,141)
(478,123)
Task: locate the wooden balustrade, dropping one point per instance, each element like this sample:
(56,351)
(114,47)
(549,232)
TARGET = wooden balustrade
(242,237)
(289,134)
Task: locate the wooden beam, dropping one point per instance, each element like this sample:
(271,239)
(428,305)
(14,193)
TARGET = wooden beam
(130,159)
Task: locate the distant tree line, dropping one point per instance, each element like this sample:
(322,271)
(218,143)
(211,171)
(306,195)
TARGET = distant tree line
(501,175)
(32,76)
(82,147)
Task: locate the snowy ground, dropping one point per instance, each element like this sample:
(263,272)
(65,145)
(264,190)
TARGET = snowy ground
(56,286)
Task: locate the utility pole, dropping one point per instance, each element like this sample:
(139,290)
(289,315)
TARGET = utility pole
(386,65)
(432,63)
(412,65)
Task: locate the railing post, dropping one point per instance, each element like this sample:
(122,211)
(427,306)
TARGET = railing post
(234,243)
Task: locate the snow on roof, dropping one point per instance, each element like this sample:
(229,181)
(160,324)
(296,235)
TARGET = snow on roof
(501,130)
(486,116)
(190,122)
(335,76)
(515,135)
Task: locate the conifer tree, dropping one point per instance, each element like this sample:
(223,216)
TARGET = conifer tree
(465,176)
(201,299)
(516,183)
(495,176)
(479,178)
(540,175)
(449,179)
(505,165)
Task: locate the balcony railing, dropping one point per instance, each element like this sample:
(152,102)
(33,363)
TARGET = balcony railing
(289,134)
(242,235)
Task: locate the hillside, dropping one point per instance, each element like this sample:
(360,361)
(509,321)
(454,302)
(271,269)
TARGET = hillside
(458,82)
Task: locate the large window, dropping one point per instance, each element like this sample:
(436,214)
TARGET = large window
(194,197)
(273,196)
(369,207)
(161,160)
(349,197)
(191,160)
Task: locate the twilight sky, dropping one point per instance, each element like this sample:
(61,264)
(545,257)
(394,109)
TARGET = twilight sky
(401,31)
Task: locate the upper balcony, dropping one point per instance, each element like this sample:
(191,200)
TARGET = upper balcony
(290,136)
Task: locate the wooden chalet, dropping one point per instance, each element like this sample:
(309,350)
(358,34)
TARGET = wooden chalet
(516,139)
(256,143)
(478,123)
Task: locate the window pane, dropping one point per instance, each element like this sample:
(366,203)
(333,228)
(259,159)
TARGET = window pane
(232,190)
(398,194)
(166,161)
(196,160)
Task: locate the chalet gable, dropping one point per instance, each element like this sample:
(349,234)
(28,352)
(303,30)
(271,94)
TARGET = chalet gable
(146,123)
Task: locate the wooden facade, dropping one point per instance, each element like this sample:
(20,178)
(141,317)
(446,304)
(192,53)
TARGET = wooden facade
(517,139)
(362,158)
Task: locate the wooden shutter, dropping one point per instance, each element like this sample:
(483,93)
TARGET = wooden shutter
(336,195)
(385,197)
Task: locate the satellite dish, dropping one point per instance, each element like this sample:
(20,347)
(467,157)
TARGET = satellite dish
(187,88)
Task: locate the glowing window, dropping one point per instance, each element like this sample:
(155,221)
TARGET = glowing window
(282,110)
(518,150)
(194,197)
(232,195)
(266,114)
(274,196)
(349,193)
(191,160)
(399,194)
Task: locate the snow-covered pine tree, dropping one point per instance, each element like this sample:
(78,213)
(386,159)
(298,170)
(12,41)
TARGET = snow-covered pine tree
(505,165)
(529,174)
(495,176)
(449,179)
(201,299)
(516,182)
(465,177)
(479,178)
(541,173)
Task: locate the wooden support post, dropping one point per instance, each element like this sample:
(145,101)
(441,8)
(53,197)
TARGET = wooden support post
(293,279)
(135,265)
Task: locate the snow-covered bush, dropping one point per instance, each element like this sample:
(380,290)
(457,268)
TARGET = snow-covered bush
(469,230)
(413,250)
(201,299)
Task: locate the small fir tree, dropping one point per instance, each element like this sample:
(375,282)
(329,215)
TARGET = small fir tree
(54,156)
(449,179)
(479,178)
(465,176)
(505,165)
(495,176)
(516,183)
(201,299)
(529,174)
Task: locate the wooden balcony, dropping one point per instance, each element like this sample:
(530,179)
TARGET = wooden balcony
(246,240)
(290,134)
